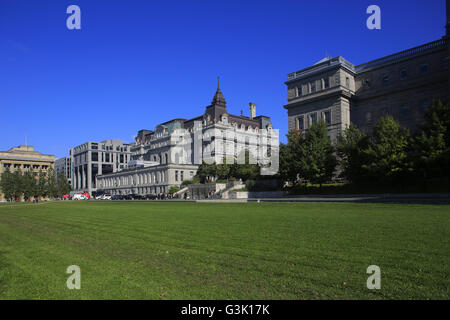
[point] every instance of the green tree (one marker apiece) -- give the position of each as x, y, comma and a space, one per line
63, 185
249, 169
7, 184
206, 172
41, 188
173, 189
351, 149
430, 146
17, 185
387, 155
29, 185
52, 187
290, 169
317, 158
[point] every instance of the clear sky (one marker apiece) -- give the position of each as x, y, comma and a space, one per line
137, 63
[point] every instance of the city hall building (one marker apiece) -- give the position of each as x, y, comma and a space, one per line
338, 92
24, 158
166, 156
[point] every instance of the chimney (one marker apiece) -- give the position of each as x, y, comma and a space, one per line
447, 26
252, 110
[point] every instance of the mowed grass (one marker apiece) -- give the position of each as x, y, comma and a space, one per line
167, 250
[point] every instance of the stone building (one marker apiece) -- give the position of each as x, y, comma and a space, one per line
171, 153
338, 92
64, 166
96, 158
24, 158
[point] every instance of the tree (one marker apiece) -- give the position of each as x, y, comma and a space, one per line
352, 157
317, 158
247, 170
29, 185
290, 169
430, 146
17, 184
173, 189
387, 155
206, 172
7, 184
52, 187
63, 185
41, 188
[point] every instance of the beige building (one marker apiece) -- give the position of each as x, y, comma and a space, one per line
25, 158
338, 92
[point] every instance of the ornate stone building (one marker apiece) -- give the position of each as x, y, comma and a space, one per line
24, 158
171, 153
402, 84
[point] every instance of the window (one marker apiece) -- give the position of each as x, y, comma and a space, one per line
424, 106
367, 83
369, 117
347, 82
94, 156
299, 90
423, 69
313, 117
7, 165
26, 166
176, 175
300, 123
403, 74
313, 86
16, 165
181, 175
385, 78
384, 112
326, 83
327, 117
404, 111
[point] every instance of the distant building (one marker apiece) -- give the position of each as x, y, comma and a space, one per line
96, 158
64, 166
403, 85
24, 158
158, 163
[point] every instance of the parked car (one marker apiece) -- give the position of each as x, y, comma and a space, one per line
79, 196
116, 197
137, 197
150, 196
66, 197
106, 197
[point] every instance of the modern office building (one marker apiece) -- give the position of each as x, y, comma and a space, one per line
171, 153
24, 158
64, 166
96, 158
402, 84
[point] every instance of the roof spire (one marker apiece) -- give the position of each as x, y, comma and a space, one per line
218, 99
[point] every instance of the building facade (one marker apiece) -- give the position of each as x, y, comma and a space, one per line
24, 158
172, 152
96, 158
403, 85
64, 166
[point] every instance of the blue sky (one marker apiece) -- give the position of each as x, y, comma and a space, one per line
137, 63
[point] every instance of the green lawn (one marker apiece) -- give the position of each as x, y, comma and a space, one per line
166, 250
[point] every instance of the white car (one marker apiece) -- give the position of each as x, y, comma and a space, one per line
106, 197
79, 197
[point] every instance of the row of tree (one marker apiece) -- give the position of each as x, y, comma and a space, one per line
17, 185
390, 155
212, 172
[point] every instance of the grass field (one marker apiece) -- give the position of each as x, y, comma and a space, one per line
167, 250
